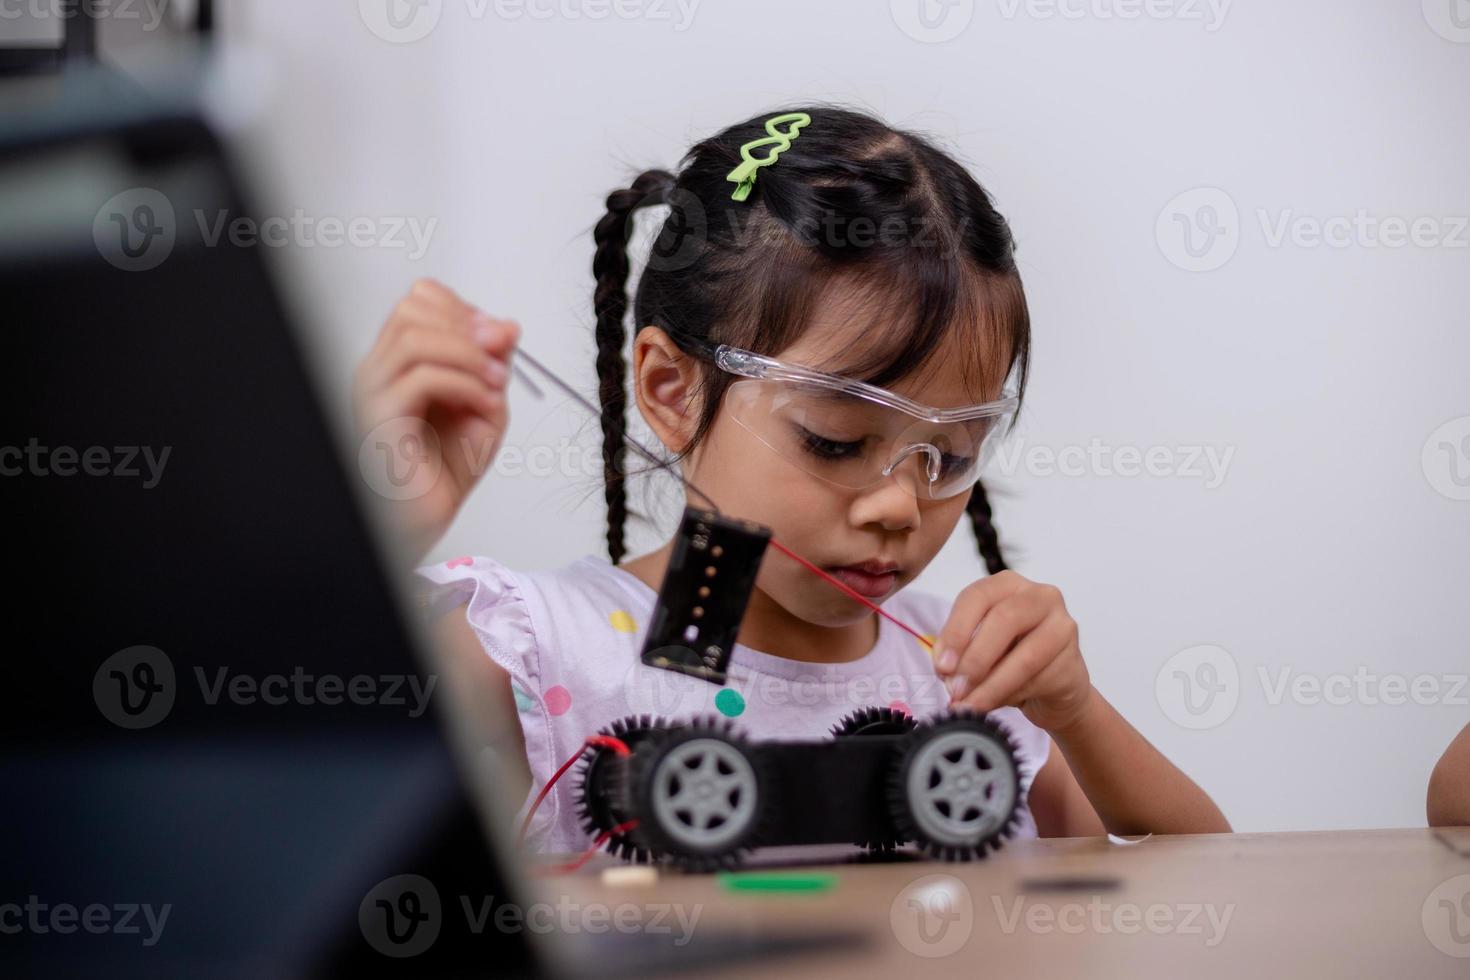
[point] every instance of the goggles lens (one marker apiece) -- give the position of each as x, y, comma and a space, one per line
853, 442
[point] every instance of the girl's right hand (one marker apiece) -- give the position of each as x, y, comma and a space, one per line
431, 405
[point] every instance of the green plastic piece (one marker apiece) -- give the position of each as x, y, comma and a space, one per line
777, 881
779, 141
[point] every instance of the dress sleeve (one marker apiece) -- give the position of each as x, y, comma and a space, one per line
494, 600
495, 607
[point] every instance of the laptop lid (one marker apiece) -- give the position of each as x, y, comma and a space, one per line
223, 750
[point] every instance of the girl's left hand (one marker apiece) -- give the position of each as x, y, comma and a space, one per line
1025, 652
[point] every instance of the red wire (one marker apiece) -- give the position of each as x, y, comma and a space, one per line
841, 585
593, 741
602, 838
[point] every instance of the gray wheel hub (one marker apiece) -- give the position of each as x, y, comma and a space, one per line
704, 793
961, 788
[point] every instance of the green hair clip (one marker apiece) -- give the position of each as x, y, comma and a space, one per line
779, 141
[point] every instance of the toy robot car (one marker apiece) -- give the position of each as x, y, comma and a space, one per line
702, 795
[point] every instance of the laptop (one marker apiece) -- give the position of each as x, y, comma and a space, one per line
224, 753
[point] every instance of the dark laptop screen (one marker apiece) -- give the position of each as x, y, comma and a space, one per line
211, 703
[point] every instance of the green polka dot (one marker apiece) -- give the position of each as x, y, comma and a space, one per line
730, 703
524, 701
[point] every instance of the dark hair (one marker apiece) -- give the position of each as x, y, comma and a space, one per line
850, 200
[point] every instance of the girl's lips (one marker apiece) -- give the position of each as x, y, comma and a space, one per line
864, 583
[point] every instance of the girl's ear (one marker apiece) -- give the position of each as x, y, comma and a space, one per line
664, 382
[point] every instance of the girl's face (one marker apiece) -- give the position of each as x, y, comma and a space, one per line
830, 525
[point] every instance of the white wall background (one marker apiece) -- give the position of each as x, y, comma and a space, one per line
1332, 545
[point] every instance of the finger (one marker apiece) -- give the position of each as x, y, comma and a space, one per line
1008, 621
1044, 682
495, 335
427, 385
969, 606
1034, 653
445, 308
429, 346
429, 290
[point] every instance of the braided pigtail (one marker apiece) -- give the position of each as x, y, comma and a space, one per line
985, 535
610, 305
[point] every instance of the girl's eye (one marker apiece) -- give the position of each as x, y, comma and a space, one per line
824, 448
953, 464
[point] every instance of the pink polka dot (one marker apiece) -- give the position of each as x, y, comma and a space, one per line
558, 700
900, 707
456, 562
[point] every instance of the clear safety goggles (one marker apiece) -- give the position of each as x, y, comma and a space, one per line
854, 434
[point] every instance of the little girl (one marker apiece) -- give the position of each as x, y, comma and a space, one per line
865, 254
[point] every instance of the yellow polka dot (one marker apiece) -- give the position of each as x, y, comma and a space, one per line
929, 638
623, 622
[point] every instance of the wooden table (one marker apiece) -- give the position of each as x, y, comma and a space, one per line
1374, 903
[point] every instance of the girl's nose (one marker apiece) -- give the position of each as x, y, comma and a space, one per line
892, 502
